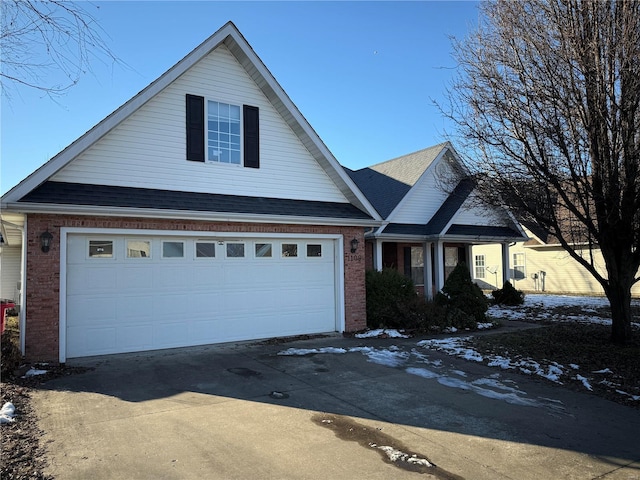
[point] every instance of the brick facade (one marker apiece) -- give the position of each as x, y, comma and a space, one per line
43, 269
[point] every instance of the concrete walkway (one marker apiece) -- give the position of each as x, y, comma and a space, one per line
241, 411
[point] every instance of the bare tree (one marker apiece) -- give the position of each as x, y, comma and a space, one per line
48, 45
547, 104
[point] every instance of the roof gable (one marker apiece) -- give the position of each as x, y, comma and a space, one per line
230, 39
388, 184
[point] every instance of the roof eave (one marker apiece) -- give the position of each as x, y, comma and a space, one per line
186, 215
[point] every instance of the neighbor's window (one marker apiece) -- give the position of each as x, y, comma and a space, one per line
314, 250
205, 249
263, 250
518, 266
417, 265
235, 250
138, 249
172, 249
100, 248
480, 266
289, 249
223, 132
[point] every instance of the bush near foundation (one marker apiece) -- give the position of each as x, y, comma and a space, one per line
392, 300
507, 295
464, 301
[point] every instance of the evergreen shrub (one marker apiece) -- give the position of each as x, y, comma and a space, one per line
508, 295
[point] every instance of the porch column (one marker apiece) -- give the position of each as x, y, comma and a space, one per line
506, 268
428, 268
439, 265
471, 262
377, 254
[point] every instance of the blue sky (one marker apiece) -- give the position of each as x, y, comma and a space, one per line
364, 74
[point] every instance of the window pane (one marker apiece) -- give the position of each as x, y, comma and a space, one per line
138, 249
172, 249
289, 249
518, 266
223, 132
263, 250
479, 266
234, 113
100, 248
235, 250
417, 265
314, 250
205, 249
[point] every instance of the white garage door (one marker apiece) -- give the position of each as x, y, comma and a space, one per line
134, 293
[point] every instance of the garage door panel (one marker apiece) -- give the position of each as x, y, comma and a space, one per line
135, 278
96, 340
129, 306
135, 337
166, 335
123, 304
166, 277
90, 310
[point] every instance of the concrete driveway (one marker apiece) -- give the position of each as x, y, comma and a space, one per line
242, 411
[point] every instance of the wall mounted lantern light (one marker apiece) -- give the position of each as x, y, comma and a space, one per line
354, 245
45, 241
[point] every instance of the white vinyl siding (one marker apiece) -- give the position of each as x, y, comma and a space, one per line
470, 213
421, 203
150, 145
10, 273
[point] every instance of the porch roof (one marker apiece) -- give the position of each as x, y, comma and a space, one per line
476, 232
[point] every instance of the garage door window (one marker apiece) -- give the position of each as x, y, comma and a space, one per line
289, 249
235, 250
100, 249
314, 250
264, 250
205, 249
172, 249
138, 249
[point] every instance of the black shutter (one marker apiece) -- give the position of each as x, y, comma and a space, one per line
195, 128
251, 136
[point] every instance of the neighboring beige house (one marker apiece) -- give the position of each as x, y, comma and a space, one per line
538, 266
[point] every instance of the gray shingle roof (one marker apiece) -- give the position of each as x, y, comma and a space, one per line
385, 184
61, 193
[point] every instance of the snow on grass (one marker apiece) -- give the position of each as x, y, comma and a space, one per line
453, 346
585, 382
311, 351
457, 347
381, 332
32, 372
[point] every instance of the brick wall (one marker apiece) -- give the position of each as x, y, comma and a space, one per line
43, 269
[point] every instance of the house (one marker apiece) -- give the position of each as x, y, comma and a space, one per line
427, 229
540, 264
203, 210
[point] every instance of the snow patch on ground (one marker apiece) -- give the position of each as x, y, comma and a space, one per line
32, 372
381, 332
7, 413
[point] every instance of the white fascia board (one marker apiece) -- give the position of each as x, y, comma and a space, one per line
189, 215
417, 185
